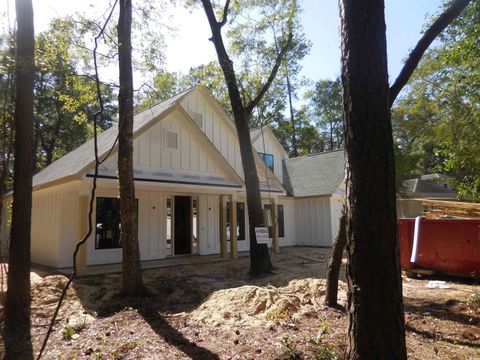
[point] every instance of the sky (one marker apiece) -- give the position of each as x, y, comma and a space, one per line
188, 46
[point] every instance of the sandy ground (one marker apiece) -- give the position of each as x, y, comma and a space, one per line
213, 311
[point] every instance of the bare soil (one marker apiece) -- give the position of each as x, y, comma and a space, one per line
214, 311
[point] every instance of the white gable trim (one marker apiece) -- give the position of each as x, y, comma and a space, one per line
269, 132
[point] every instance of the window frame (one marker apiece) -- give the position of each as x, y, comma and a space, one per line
115, 224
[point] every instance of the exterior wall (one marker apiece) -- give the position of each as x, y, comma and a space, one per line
271, 147
150, 150
46, 228
209, 224
409, 208
313, 221
221, 132
289, 208
152, 226
68, 227
336, 204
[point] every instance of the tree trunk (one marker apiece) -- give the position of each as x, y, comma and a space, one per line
259, 257
375, 306
335, 262
17, 305
132, 273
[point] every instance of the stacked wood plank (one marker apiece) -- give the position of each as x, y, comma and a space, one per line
435, 209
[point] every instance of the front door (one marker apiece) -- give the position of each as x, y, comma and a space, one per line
182, 225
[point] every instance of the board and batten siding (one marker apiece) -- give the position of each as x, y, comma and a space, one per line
313, 221
223, 135
150, 150
209, 224
289, 208
46, 227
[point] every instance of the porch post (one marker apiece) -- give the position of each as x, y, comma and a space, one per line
223, 227
82, 230
275, 241
233, 227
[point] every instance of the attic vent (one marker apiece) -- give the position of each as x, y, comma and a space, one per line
198, 118
172, 140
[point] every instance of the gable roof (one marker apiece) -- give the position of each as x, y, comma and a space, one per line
427, 186
314, 175
73, 163
257, 132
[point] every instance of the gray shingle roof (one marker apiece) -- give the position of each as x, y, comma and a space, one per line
314, 175
426, 186
77, 160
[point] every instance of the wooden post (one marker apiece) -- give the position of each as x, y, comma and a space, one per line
82, 230
275, 241
233, 228
223, 227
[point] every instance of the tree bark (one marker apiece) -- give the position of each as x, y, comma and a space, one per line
335, 262
259, 257
17, 305
132, 272
375, 307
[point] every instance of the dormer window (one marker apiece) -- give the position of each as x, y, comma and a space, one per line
268, 159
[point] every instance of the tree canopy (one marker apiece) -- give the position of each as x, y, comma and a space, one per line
437, 119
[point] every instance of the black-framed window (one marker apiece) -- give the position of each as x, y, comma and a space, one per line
108, 223
240, 221
281, 221
268, 159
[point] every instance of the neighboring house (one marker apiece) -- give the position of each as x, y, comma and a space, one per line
190, 189
430, 186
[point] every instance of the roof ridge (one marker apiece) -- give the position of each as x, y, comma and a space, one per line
315, 154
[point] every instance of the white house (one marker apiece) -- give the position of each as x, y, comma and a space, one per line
190, 189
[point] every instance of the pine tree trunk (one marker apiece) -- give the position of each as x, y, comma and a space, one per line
17, 305
375, 306
132, 273
335, 263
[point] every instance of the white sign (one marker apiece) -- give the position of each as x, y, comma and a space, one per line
261, 234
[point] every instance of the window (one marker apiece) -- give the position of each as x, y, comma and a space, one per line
108, 224
281, 222
240, 221
268, 159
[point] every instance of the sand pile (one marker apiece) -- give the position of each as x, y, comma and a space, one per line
254, 304
46, 293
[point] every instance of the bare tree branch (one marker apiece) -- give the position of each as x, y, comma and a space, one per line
437, 27
251, 105
225, 13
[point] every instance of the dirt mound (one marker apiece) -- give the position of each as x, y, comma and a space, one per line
46, 293
254, 304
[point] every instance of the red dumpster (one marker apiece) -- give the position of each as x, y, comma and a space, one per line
447, 246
